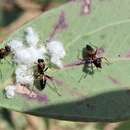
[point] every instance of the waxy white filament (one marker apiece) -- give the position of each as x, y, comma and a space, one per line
56, 52
25, 54
10, 91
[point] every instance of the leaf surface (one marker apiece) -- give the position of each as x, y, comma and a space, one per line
102, 96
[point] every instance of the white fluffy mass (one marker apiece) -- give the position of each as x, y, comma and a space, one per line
56, 51
25, 55
16, 45
10, 91
28, 56
24, 75
31, 36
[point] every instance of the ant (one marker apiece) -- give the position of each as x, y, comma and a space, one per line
41, 76
40, 73
90, 57
4, 52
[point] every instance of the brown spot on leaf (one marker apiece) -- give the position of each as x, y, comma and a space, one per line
60, 24
100, 51
26, 92
114, 80
85, 7
102, 36
127, 54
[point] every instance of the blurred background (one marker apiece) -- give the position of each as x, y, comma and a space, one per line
14, 13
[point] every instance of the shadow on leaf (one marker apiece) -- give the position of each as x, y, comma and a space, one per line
110, 106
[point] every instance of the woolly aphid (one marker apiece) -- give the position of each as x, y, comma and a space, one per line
16, 45
10, 91
28, 56
31, 36
24, 75
56, 52
25, 56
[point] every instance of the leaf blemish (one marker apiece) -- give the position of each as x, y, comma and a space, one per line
113, 80
60, 25
100, 51
33, 95
85, 7
102, 36
127, 54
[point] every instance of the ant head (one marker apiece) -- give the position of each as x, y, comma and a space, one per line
89, 48
40, 61
8, 48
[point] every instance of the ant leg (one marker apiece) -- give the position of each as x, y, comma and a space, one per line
56, 89
92, 67
85, 76
107, 61
8, 61
46, 69
81, 77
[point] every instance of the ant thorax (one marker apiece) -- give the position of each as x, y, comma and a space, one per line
91, 54
41, 67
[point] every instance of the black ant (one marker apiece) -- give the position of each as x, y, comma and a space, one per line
90, 57
4, 52
40, 73
41, 76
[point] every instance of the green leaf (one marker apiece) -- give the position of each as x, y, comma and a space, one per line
102, 96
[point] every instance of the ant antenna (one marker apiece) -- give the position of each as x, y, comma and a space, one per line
54, 89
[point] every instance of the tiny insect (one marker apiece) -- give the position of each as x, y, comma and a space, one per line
90, 57
41, 76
